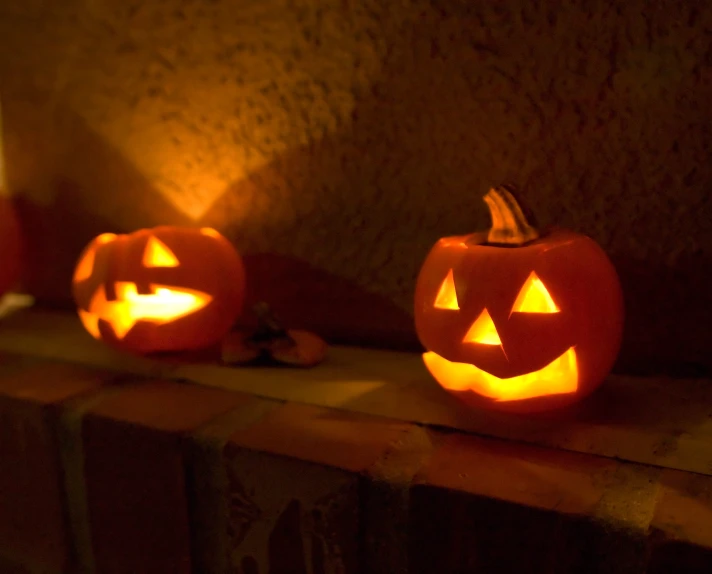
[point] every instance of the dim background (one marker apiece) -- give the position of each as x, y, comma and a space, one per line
333, 141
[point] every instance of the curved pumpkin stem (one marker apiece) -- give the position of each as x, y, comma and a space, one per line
509, 224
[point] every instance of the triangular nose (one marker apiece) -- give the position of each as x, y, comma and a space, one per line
483, 331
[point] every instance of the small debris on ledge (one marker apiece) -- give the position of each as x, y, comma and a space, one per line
270, 343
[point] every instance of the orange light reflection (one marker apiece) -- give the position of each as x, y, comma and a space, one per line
558, 377
163, 305
447, 296
483, 331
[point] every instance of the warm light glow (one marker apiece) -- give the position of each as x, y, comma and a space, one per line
105, 238
558, 377
483, 331
453, 242
157, 254
447, 296
91, 323
534, 298
86, 265
210, 232
163, 305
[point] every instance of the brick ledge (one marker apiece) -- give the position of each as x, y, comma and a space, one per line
661, 421
109, 470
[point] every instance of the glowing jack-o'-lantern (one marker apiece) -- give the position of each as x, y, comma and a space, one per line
9, 246
518, 321
161, 289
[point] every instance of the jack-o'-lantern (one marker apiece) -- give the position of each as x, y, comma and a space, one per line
160, 289
10, 255
516, 320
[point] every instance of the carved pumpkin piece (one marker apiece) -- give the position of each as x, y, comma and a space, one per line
483, 331
447, 296
139, 314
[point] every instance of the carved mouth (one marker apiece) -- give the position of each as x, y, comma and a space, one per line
558, 377
163, 305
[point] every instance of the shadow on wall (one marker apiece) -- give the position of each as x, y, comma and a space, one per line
92, 190
352, 215
406, 172
668, 325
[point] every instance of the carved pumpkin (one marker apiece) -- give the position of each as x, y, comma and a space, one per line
518, 321
9, 246
161, 289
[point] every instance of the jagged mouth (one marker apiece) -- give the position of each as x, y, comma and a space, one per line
558, 377
163, 305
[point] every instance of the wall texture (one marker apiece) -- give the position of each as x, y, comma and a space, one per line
343, 137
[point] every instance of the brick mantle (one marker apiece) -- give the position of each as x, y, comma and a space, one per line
113, 464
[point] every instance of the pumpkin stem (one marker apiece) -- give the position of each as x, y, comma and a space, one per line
509, 223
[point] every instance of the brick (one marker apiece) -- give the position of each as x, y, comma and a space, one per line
295, 479
681, 529
34, 530
329, 437
133, 457
481, 505
208, 485
59, 335
385, 504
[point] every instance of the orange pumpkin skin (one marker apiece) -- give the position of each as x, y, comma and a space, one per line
10, 246
580, 281
115, 276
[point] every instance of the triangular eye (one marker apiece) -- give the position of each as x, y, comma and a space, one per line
157, 254
534, 297
447, 296
483, 331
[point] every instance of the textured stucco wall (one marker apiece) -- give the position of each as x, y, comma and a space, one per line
350, 134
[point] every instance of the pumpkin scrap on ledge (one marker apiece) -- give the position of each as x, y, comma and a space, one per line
270, 343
